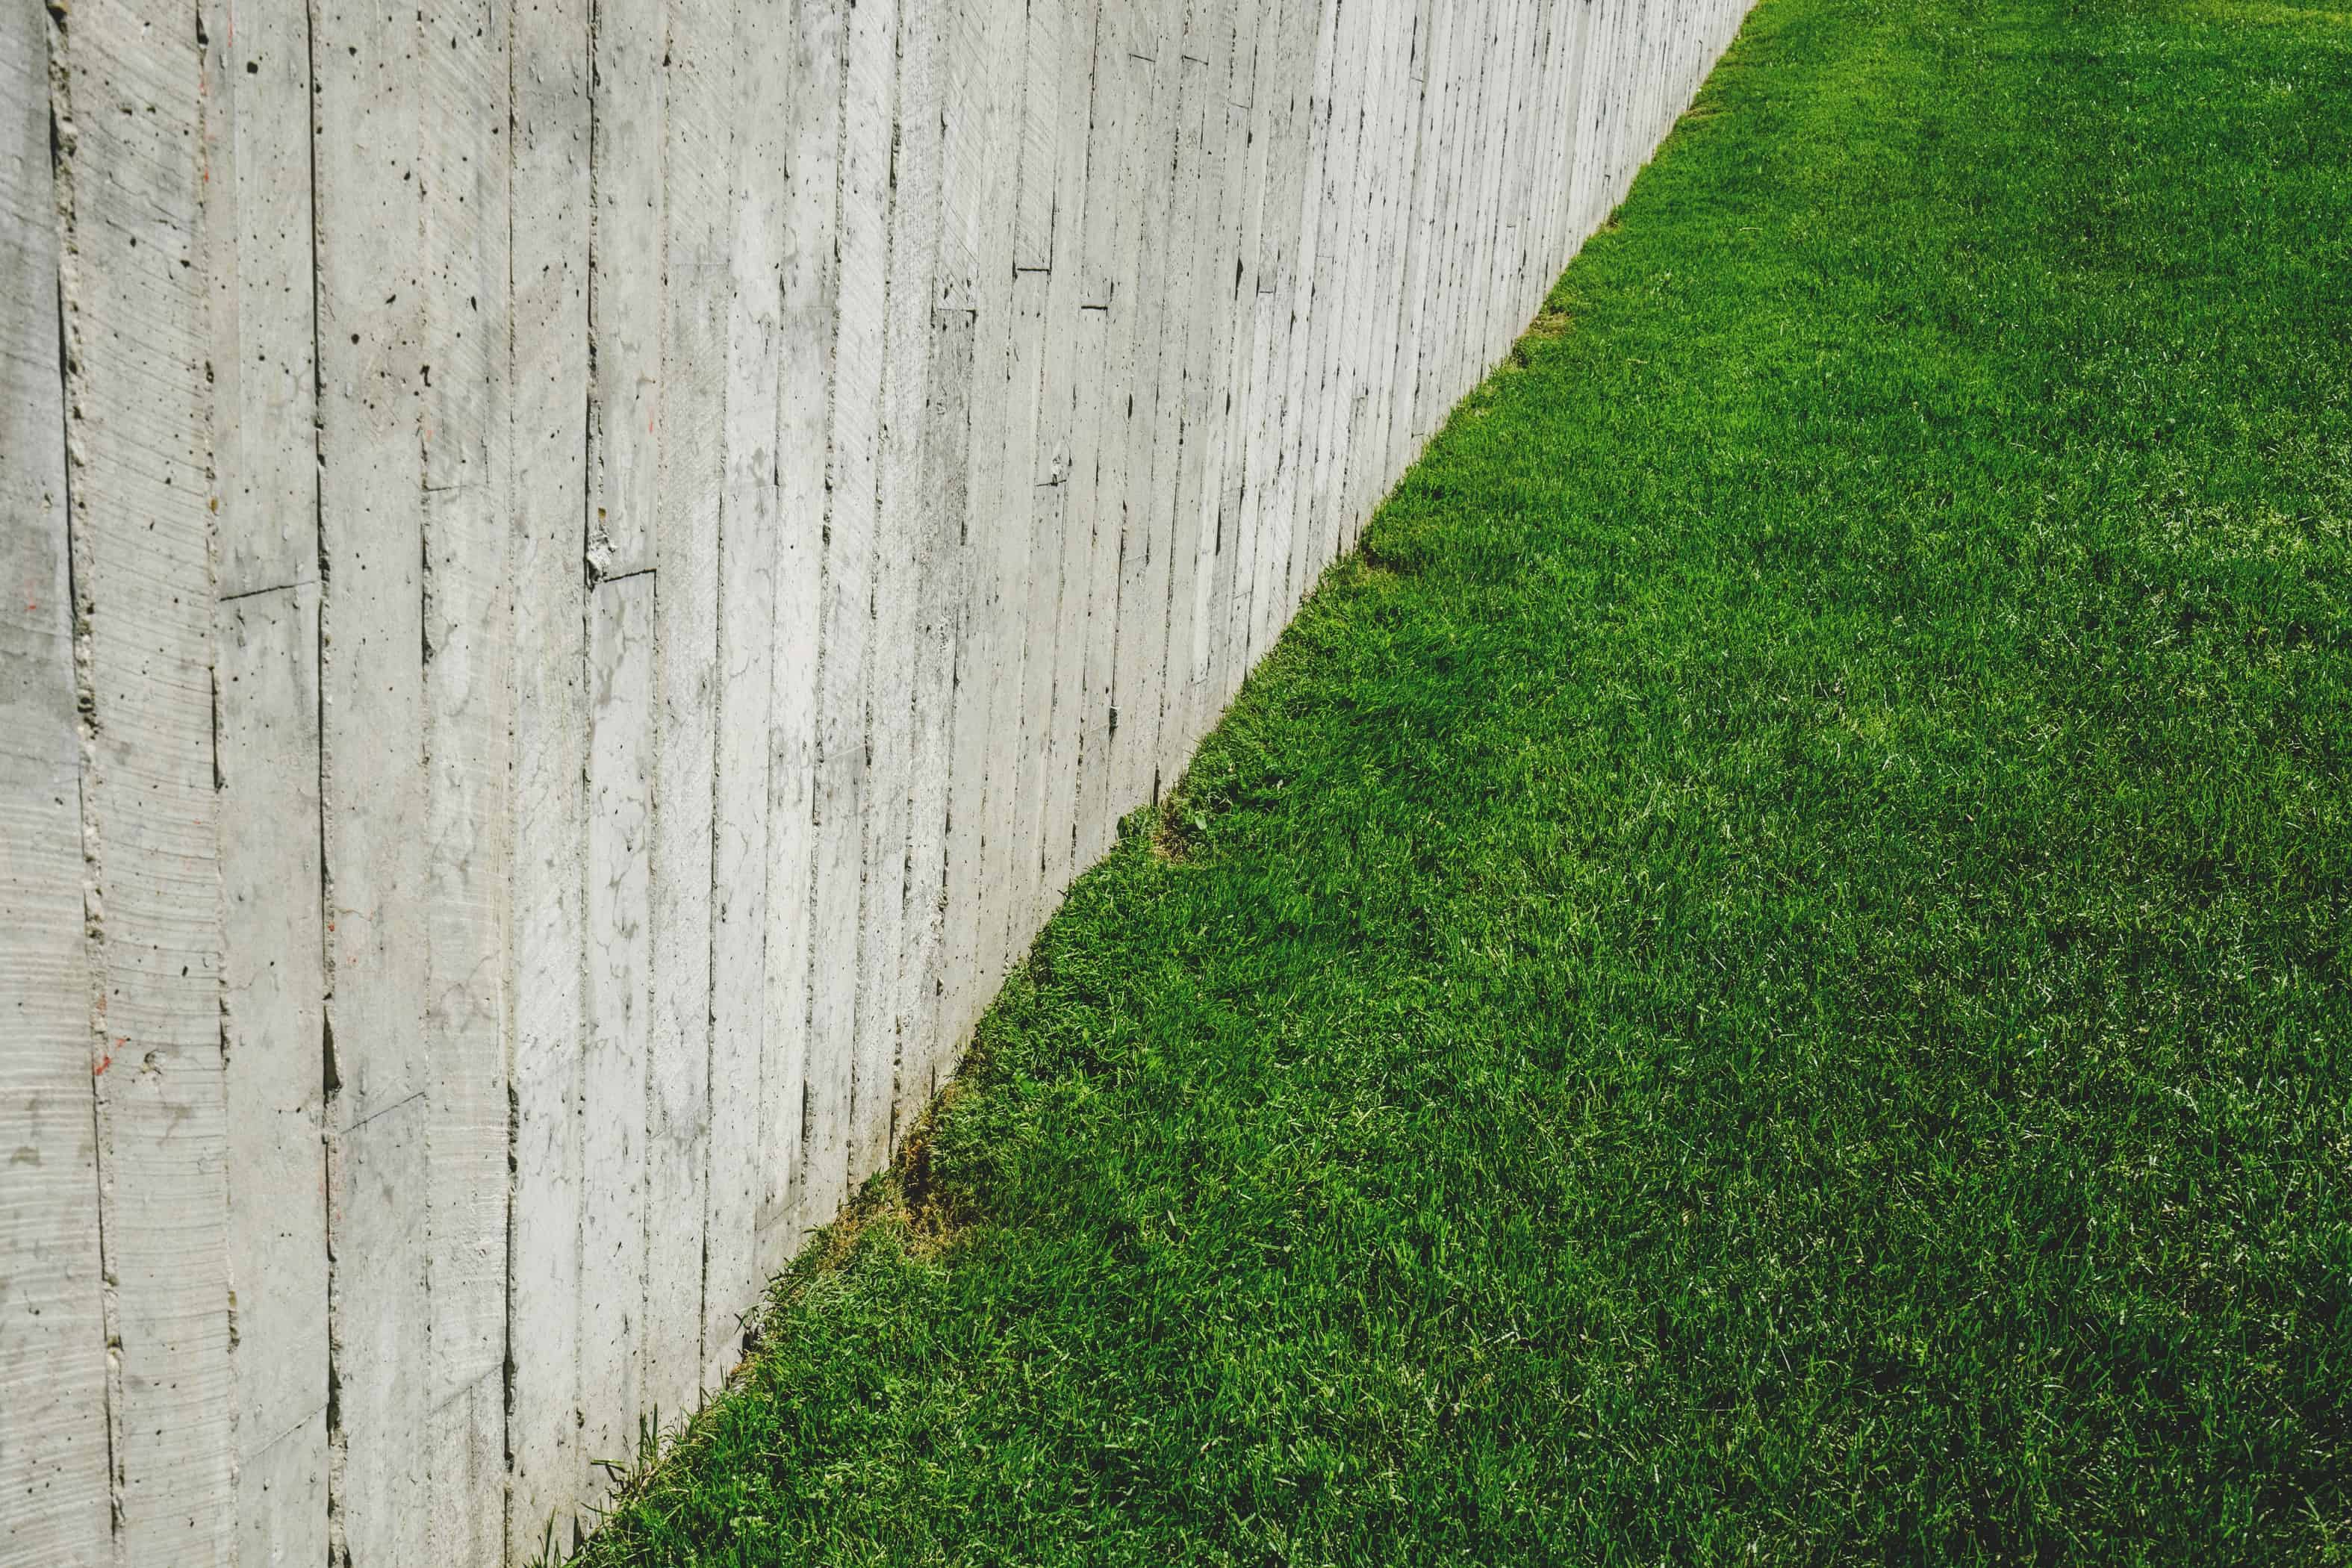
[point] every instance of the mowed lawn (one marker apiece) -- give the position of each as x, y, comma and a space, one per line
1762, 978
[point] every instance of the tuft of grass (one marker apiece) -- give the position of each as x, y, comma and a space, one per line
1763, 979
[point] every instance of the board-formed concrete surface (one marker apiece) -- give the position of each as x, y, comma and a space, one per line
580, 578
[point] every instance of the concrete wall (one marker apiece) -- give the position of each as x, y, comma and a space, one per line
580, 578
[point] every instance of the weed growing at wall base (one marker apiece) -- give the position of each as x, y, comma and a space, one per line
1762, 978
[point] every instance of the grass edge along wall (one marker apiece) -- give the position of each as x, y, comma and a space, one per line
582, 577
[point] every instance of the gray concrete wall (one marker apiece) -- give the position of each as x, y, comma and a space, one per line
582, 575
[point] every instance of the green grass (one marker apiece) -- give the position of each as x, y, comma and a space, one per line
1762, 978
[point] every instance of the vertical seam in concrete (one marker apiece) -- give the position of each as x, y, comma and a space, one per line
658, 658
512, 675
824, 599
207, 218
589, 543
711, 864
62, 139
331, 1075
891, 285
